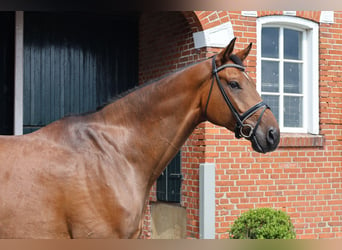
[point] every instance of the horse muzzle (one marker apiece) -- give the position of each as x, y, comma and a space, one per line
264, 142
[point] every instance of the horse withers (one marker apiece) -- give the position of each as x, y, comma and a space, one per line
89, 176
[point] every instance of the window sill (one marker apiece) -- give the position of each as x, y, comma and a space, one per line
301, 140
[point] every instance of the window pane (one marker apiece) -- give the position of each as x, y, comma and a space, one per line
269, 76
293, 78
273, 102
270, 42
293, 111
292, 44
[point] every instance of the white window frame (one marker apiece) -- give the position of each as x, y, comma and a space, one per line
310, 67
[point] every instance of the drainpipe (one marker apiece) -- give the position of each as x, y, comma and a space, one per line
207, 201
19, 72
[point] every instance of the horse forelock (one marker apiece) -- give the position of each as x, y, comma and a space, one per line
236, 59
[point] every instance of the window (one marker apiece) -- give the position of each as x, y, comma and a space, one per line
170, 181
287, 71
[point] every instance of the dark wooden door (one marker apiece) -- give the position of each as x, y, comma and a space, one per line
75, 62
6, 72
170, 181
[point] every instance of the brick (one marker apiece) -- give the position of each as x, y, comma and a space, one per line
303, 174
326, 235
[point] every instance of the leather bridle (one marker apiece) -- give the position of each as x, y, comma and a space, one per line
241, 130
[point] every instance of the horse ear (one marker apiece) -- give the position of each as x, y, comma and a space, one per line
242, 54
224, 55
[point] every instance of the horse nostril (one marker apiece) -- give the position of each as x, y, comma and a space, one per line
272, 136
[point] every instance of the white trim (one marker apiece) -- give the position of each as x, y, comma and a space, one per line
207, 201
218, 36
289, 12
292, 21
310, 67
19, 73
249, 13
327, 17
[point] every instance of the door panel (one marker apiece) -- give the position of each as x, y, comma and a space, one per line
75, 62
6, 72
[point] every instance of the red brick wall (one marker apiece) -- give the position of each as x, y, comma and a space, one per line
299, 178
303, 177
166, 44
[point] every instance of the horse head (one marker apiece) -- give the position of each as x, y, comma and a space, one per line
232, 101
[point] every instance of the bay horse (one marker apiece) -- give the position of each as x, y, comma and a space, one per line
89, 176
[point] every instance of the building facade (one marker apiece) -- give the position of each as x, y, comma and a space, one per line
296, 63
50, 71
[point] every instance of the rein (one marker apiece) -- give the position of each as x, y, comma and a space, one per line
240, 128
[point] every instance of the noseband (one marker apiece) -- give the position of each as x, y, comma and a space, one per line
241, 130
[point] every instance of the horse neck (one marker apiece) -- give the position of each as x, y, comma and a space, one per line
159, 118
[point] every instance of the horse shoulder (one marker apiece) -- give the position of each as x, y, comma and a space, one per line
103, 187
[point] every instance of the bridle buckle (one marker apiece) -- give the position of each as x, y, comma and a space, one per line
243, 129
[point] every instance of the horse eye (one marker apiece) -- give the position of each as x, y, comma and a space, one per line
234, 85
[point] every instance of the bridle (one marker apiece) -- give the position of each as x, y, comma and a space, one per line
240, 127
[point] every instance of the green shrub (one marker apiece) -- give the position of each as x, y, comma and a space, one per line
263, 223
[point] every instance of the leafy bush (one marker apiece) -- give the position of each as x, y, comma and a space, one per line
263, 223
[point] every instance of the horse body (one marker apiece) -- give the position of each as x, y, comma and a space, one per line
89, 176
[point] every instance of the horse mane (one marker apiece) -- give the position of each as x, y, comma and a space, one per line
117, 97
151, 81
233, 57
236, 60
